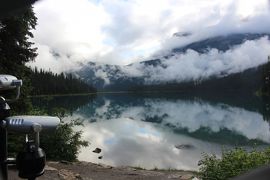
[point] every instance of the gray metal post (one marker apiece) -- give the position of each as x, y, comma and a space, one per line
3, 154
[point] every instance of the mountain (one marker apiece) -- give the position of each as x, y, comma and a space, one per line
152, 74
108, 77
246, 83
222, 43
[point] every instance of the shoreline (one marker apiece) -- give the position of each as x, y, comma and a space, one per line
103, 92
89, 171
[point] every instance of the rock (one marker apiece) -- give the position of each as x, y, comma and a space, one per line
100, 157
105, 166
184, 146
187, 177
129, 168
90, 171
97, 150
65, 162
78, 176
68, 175
174, 176
48, 168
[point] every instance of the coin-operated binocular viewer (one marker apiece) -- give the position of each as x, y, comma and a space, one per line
31, 160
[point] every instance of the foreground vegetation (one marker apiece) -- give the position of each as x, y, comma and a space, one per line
15, 51
232, 163
62, 144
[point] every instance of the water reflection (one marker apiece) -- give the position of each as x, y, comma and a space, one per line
135, 143
145, 132
69, 103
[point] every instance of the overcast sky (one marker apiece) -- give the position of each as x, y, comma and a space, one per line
126, 31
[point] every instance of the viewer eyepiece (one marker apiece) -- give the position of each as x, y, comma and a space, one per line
9, 82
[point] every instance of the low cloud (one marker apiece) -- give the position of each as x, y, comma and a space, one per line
123, 32
193, 65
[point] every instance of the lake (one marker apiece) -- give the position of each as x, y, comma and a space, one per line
166, 130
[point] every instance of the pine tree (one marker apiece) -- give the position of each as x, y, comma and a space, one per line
53, 83
266, 78
16, 50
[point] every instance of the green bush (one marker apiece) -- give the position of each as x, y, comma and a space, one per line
62, 144
232, 163
65, 142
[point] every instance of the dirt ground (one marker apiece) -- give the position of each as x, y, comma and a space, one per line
90, 171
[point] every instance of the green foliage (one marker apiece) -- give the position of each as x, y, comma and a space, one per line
232, 163
48, 83
265, 89
244, 83
16, 50
64, 143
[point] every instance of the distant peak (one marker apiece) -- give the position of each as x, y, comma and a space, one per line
182, 34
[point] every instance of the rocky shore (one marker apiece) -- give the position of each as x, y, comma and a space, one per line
90, 171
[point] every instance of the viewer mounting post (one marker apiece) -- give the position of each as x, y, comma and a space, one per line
6, 82
31, 160
3, 153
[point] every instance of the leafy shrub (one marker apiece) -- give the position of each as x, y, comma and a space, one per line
64, 143
232, 163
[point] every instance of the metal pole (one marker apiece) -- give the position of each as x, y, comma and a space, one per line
3, 154
37, 141
4, 112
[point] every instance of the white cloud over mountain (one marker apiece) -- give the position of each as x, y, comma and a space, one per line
186, 66
193, 65
122, 32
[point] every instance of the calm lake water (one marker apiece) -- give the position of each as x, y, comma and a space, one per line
164, 130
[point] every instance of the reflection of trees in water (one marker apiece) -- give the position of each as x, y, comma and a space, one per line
118, 102
266, 109
223, 136
265, 90
152, 109
107, 107
69, 103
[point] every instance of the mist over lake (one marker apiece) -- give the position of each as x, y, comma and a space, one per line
154, 130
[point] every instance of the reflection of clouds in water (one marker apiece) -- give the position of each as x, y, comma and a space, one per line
126, 139
192, 115
104, 108
135, 143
